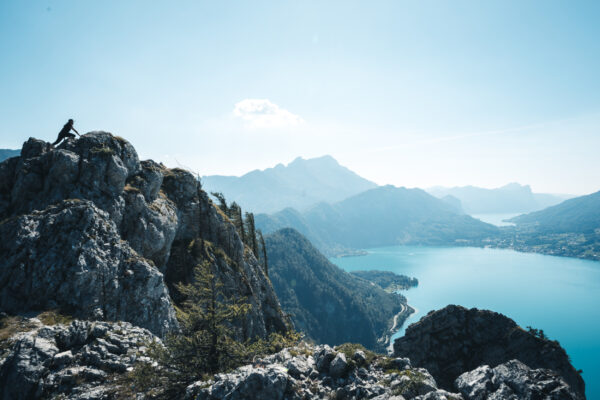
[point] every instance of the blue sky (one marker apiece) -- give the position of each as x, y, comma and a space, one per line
416, 93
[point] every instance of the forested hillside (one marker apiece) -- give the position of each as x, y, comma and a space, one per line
328, 304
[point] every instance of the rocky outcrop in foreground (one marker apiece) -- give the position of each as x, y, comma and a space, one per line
83, 360
513, 380
93, 360
325, 373
90, 230
321, 373
455, 340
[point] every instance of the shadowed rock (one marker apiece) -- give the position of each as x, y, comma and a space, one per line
454, 340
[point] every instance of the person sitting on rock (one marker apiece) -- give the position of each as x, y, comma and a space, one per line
65, 132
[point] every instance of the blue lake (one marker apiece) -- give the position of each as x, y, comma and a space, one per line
557, 294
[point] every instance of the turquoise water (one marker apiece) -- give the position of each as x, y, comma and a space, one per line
557, 294
496, 219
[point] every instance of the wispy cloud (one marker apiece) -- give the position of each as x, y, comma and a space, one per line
262, 113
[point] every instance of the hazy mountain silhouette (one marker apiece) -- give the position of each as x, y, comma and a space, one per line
511, 198
300, 184
382, 216
580, 214
8, 153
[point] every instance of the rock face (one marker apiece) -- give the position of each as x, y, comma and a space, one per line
454, 340
70, 256
89, 229
78, 361
513, 380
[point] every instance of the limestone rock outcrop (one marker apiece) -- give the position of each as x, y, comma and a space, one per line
304, 373
455, 340
70, 256
89, 229
83, 360
513, 381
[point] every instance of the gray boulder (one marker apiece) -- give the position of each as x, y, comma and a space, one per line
514, 380
338, 366
246, 383
323, 356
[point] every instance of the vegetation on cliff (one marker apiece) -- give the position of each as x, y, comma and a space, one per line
328, 304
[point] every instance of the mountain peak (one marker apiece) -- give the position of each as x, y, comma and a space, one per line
300, 184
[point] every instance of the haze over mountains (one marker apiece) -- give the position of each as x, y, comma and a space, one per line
386, 215
581, 214
511, 198
341, 212
304, 183
299, 184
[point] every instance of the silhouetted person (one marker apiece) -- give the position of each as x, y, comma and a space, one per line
65, 132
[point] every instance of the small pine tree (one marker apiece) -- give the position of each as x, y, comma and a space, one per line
207, 335
222, 202
264, 252
251, 233
235, 214
206, 342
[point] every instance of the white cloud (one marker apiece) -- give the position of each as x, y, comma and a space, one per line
261, 113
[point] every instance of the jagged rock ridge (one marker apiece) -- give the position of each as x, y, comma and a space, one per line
454, 340
89, 229
324, 373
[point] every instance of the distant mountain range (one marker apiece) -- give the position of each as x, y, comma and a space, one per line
300, 184
386, 215
571, 229
581, 214
8, 153
328, 304
511, 198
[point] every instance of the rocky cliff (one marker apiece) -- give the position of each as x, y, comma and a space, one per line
455, 340
90, 230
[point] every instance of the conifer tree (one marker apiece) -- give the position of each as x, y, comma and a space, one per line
251, 233
264, 251
206, 343
222, 202
238, 220
207, 335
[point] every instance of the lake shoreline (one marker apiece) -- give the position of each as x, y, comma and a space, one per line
398, 321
